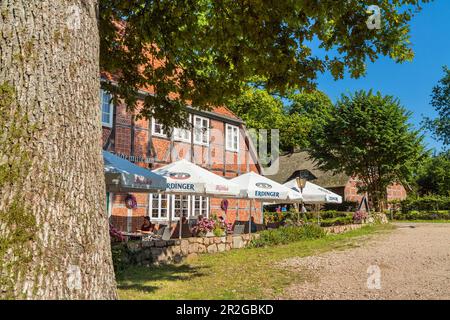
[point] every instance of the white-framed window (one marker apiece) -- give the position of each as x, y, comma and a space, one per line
201, 130
157, 128
107, 108
182, 134
181, 206
192, 206
159, 206
200, 206
232, 138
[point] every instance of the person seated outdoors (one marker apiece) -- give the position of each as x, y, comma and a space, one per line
184, 219
147, 227
253, 225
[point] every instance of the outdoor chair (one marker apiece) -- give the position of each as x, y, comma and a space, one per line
192, 222
166, 233
239, 229
185, 231
160, 231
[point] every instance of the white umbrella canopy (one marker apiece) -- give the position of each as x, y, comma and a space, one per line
255, 186
312, 193
123, 176
185, 177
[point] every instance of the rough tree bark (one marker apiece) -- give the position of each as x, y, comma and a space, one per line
54, 240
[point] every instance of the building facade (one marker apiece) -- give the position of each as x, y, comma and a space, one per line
217, 140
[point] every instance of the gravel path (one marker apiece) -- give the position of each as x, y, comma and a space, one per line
413, 263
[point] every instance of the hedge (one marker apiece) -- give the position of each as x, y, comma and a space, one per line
426, 203
329, 214
286, 235
327, 218
344, 206
422, 215
339, 221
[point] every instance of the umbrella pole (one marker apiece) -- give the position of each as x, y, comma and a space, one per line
169, 198
250, 219
179, 218
179, 221
318, 214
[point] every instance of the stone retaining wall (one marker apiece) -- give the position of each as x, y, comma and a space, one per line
342, 229
374, 218
174, 250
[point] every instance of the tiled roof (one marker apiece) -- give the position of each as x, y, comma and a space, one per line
299, 164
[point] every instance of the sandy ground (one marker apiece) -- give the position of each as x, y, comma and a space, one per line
411, 262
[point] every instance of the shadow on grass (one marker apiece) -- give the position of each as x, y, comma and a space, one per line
141, 278
138, 287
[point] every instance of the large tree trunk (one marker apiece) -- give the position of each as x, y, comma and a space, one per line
54, 240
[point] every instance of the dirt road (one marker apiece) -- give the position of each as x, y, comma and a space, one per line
411, 262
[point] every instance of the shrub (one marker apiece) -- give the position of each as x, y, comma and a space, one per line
218, 232
285, 235
273, 217
294, 218
221, 227
426, 203
338, 221
422, 215
329, 214
342, 207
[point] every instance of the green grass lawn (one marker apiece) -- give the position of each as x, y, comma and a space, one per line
237, 274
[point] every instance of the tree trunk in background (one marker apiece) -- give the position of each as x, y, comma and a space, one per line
54, 238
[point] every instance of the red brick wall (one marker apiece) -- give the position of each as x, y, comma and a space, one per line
394, 192
211, 157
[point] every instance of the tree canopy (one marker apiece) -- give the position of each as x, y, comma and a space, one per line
260, 110
315, 106
368, 136
440, 100
207, 52
433, 176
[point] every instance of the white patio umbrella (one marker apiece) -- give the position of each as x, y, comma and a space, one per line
123, 176
256, 187
314, 194
185, 177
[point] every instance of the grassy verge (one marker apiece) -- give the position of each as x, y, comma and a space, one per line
237, 274
422, 221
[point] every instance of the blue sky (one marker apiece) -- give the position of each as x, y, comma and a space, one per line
411, 82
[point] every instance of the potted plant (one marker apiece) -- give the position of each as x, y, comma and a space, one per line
359, 216
204, 228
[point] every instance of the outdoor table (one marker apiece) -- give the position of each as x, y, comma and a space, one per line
137, 235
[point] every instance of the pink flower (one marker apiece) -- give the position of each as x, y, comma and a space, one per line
115, 234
